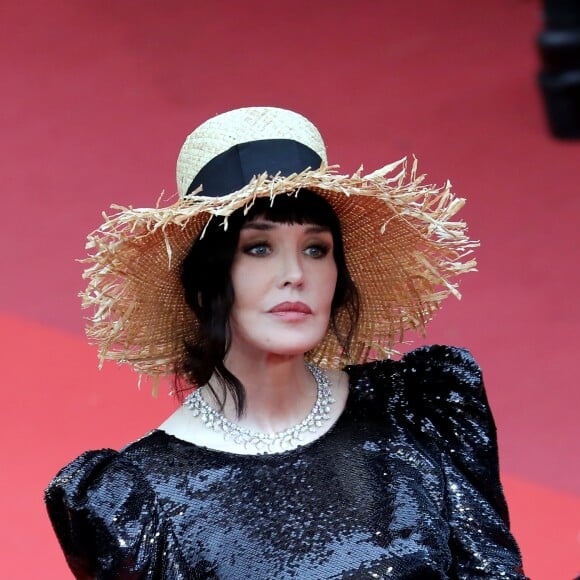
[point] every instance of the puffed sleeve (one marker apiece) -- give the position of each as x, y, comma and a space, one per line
449, 403
106, 518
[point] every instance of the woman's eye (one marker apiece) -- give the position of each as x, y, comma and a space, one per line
317, 250
257, 249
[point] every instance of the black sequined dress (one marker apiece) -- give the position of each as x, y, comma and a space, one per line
404, 485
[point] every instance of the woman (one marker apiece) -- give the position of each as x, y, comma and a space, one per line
269, 275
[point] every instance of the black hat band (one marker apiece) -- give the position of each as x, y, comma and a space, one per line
234, 169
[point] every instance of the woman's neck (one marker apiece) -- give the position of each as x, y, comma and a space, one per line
280, 391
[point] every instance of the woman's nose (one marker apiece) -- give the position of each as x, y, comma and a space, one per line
292, 271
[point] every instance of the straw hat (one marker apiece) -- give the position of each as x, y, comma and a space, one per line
402, 244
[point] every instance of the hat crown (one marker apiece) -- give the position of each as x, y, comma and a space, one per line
244, 125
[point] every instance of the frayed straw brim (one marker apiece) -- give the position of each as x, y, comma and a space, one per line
403, 249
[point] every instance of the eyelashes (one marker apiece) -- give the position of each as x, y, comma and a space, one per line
317, 250
256, 249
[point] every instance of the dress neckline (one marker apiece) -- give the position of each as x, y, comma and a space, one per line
263, 456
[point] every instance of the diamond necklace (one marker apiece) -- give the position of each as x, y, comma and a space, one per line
267, 442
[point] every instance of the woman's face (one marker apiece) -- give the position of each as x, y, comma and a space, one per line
284, 277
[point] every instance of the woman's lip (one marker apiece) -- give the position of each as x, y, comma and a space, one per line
290, 315
288, 307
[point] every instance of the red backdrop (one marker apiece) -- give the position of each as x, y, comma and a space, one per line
96, 101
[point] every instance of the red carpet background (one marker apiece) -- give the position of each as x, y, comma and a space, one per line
97, 98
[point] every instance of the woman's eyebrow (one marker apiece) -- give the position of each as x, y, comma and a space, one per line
267, 225
315, 229
258, 225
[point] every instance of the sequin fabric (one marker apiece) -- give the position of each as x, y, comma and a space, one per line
404, 485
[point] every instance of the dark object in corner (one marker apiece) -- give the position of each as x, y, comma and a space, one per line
559, 45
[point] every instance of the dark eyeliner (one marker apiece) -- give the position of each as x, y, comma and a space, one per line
249, 246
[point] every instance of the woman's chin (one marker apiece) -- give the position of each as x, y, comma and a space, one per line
298, 348
289, 341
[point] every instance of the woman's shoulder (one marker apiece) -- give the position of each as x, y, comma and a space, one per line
97, 499
110, 467
427, 371
447, 375
94, 471
436, 393
88, 468
438, 355
434, 389
443, 360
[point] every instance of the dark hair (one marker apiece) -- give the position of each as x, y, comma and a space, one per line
205, 277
